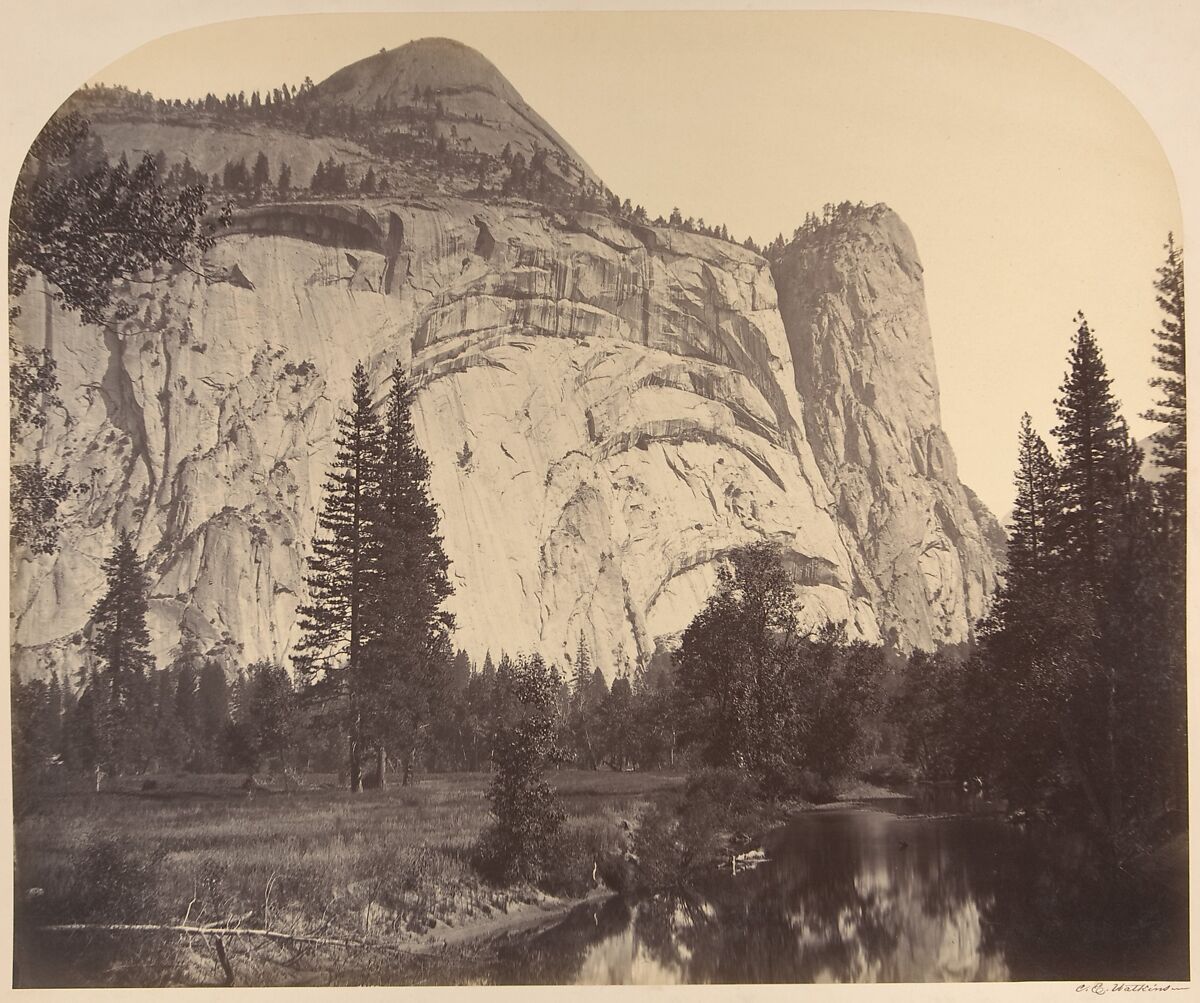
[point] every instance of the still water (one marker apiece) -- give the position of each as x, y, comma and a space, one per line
893, 892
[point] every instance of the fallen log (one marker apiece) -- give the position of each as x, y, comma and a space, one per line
218, 931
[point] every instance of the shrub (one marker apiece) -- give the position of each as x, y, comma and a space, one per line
888, 769
104, 881
810, 786
527, 817
675, 842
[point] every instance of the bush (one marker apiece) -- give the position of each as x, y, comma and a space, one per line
811, 786
102, 882
527, 817
730, 790
888, 769
676, 841
521, 843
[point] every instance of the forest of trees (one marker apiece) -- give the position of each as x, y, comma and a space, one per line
1074, 703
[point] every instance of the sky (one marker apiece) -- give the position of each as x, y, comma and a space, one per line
1033, 188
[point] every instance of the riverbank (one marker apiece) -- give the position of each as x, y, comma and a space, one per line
390, 869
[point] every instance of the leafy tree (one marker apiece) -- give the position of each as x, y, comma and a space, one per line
83, 231
1170, 443
35, 491
731, 659
654, 714
526, 814
836, 685
758, 696
82, 225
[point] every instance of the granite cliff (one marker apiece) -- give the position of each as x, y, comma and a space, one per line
634, 401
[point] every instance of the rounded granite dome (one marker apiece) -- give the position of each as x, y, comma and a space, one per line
440, 64
467, 91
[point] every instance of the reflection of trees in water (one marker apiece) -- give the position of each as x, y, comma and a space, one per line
557, 955
857, 896
841, 902
1069, 917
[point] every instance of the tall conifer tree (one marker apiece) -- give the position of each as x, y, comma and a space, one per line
1035, 509
410, 629
122, 643
1170, 443
1095, 460
343, 570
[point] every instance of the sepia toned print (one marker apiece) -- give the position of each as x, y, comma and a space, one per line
432, 562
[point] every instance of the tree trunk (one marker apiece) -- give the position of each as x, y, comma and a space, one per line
408, 767
355, 769
1115, 801
381, 765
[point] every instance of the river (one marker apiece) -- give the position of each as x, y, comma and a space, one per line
908, 890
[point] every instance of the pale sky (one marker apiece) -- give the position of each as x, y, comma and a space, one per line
1032, 187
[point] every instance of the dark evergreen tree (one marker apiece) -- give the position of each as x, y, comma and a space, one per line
343, 570
410, 628
1094, 463
1035, 510
261, 175
272, 713
212, 705
581, 673
617, 722
1170, 442
121, 643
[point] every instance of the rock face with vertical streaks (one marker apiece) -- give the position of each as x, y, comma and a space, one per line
635, 402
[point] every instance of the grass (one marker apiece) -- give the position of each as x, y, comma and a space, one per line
390, 866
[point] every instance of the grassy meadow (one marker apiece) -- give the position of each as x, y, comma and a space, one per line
392, 867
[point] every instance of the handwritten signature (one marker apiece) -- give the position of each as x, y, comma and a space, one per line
1104, 988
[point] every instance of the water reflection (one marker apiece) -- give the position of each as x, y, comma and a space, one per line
860, 895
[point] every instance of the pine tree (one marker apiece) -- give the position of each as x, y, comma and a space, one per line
212, 704
121, 642
261, 176
343, 569
582, 671
1034, 511
54, 716
1093, 468
410, 628
284, 184
1170, 443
